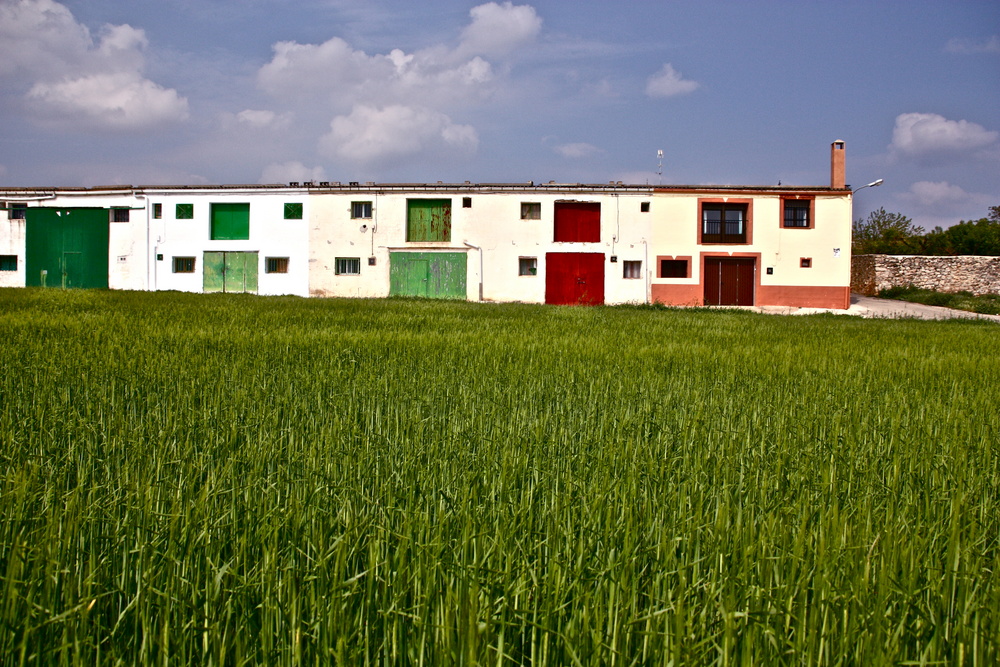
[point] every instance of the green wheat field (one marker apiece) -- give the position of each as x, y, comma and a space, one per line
236, 480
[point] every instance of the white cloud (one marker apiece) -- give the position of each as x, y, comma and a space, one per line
73, 82
578, 150
925, 136
497, 29
668, 82
972, 46
108, 101
258, 119
370, 134
941, 195
287, 172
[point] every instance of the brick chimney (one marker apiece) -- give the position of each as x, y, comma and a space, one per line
838, 169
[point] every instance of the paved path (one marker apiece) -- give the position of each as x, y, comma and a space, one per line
866, 306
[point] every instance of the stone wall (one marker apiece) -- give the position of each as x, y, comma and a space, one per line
968, 273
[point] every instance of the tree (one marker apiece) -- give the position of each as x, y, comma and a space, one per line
885, 233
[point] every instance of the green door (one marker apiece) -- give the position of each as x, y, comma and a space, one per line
437, 275
230, 222
230, 272
66, 247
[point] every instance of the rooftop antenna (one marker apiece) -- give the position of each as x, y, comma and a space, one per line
659, 167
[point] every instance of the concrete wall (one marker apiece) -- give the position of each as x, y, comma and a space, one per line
975, 274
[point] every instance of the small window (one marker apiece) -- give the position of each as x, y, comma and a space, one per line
17, 211
293, 211
531, 210
631, 269
157, 211
183, 264
796, 213
361, 209
8, 262
276, 265
673, 268
806, 262
119, 215
527, 266
466, 202
348, 266
644, 207
185, 212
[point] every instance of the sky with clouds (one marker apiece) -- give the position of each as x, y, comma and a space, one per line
748, 92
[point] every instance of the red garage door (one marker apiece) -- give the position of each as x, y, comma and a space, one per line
729, 281
574, 278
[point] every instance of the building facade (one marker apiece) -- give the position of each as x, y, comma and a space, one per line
539, 243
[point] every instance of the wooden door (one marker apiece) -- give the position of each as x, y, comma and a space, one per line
573, 278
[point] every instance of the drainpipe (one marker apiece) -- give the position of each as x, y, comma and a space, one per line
475, 247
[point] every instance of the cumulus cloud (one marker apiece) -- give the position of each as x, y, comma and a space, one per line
929, 136
347, 76
972, 46
578, 150
668, 82
370, 134
101, 101
74, 81
941, 195
497, 29
287, 172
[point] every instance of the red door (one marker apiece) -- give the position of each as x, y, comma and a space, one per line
574, 278
729, 281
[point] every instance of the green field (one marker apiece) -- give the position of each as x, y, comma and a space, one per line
228, 480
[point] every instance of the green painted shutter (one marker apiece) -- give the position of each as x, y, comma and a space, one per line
230, 222
66, 247
438, 275
293, 211
214, 266
428, 220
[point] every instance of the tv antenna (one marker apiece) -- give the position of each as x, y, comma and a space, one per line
659, 167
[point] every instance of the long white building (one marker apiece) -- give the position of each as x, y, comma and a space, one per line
552, 243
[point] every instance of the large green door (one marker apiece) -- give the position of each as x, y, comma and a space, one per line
437, 275
66, 247
230, 272
428, 220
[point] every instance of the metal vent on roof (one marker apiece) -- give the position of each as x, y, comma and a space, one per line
324, 184
353, 183
293, 184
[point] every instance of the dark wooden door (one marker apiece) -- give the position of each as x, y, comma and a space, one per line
573, 278
730, 281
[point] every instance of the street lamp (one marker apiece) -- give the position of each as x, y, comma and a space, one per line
873, 184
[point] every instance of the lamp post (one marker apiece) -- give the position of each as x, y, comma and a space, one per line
873, 184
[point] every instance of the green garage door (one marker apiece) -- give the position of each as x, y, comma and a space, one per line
66, 247
230, 272
437, 275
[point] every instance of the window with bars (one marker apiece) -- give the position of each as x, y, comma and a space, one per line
724, 223
183, 264
157, 211
275, 265
527, 266
293, 211
531, 210
17, 211
347, 266
119, 215
361, 209
796, 213
631, 269
184, 212
8, 262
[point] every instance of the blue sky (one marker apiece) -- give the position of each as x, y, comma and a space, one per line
97, 92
